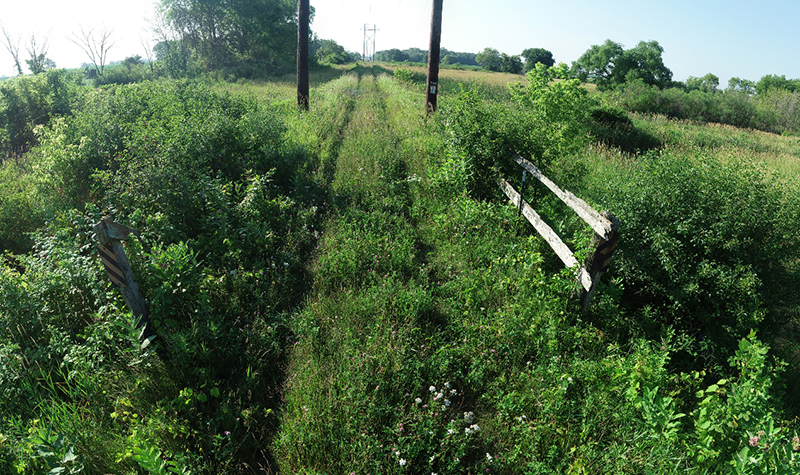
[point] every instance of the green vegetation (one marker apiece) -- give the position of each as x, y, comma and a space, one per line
346, 290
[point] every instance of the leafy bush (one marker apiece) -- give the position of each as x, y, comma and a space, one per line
613, 128
21, 208
709, 244
544, 121
30, 101
735, 422
775, 111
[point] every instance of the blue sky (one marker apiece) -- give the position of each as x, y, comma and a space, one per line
726, 38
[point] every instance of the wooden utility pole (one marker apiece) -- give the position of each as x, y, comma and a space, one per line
302, 54
433, 58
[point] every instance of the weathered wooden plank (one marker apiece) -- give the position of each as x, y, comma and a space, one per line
597, 221
548, 234
109, 235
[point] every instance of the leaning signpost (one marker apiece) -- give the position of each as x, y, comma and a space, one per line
109, 245
605, 226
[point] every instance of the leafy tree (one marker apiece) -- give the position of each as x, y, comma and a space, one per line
459, 58
511, 64
174, 57
416, 55
772, 81
38, 62
610, 65
741, 85
598, 62
489, 59
221, 34
533, 56
644, 62
708, 83
132, 61
392, 55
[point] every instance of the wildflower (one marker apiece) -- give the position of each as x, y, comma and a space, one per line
469, 417
447, 385
403, 462
432, 389
227, 433
453, 392
450, 431
446, 402
488, 457
754, 441
796, 443
418, 400
438, 396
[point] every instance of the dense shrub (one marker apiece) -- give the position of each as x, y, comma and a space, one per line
710, 245
612, 127
773, 111
29, 101
542, 122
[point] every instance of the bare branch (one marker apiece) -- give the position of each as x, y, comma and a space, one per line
38, 53
95, 47
12, 45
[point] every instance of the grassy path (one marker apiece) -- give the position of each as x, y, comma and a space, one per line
436, 340
359, 330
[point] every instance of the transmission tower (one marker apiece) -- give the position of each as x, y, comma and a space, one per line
369, 37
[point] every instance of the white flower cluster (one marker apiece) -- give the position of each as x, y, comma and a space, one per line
469, 417
472, 429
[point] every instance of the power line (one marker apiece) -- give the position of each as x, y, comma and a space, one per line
398, 8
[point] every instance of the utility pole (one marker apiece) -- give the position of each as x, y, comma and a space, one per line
302, 54
433, 58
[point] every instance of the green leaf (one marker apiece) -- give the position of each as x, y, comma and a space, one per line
147, 342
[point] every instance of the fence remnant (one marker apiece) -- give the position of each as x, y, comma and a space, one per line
605, 226
109, 243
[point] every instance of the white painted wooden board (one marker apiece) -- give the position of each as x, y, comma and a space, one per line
597, 221
548, 234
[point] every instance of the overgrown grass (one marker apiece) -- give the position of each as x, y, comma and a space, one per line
332, 294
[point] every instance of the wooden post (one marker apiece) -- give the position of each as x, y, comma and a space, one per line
109, 242
433, 58
601, 259
303, 9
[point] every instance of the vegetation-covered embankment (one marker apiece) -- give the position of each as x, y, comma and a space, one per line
346, 291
